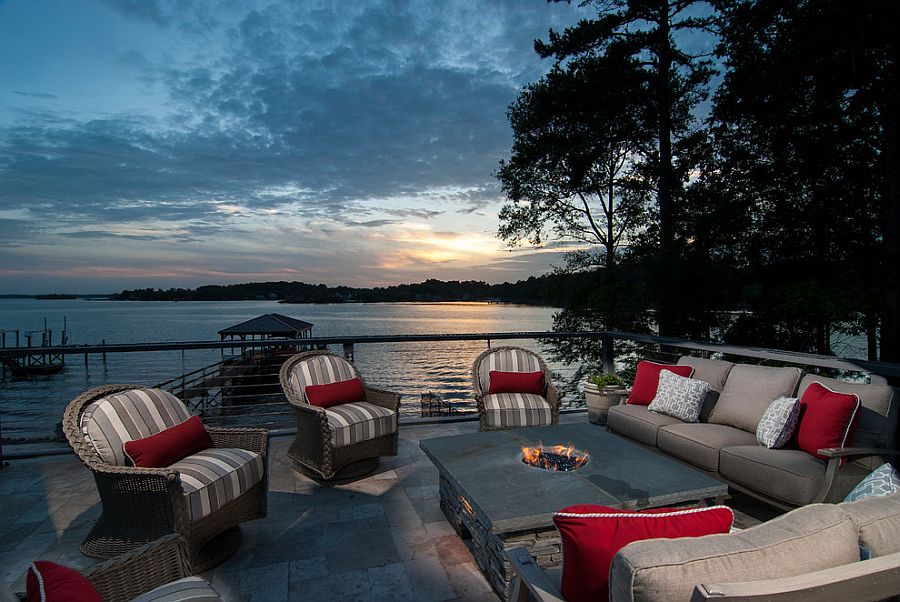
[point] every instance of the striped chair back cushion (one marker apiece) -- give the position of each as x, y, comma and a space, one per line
116, 419
320, 370
506, 360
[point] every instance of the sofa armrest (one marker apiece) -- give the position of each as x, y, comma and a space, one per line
136, 572
529, 582
849, 452
874, 579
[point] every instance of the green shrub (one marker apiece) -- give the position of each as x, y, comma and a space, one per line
606, 380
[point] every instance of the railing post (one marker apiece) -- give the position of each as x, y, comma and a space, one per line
348, 351
609, 354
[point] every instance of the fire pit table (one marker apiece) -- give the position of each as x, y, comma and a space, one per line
488, 493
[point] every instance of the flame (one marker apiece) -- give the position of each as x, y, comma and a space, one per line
538, 456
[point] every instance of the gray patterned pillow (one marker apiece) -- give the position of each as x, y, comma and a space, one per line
778, 423
884, 480
679, 397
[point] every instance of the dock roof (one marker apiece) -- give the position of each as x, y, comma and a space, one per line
269, 324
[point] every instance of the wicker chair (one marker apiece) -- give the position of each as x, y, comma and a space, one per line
327, 445
506, 410
142, 504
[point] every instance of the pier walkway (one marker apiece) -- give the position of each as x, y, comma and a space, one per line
380, 538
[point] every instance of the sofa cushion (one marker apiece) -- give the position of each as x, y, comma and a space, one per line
637, 422
788, 475
778, 424
212, 478
646, 380
714, 372
113, 420
878, 519
50, 582
884, 480
699, 444
356, 422
189, 589
827, 419
678, 396
516, 409
748, 392
811, 538
877, 415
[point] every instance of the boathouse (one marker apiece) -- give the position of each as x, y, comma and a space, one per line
268, 326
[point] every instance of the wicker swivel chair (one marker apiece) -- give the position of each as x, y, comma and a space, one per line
343, 441
196, 497
511, 410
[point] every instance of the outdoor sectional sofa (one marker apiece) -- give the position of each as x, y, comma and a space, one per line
810, 553
723, 443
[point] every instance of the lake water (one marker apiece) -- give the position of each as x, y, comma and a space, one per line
32, 408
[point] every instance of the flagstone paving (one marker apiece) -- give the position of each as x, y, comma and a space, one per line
379, 538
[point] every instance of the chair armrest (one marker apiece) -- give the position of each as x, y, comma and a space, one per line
874, 579
529, 581
553, 396
256, 440
129, 575
849, 452
383, 398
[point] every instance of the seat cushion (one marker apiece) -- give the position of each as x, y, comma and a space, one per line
213, 477
516, 409
878, 519
356, 422
714, 372
116, 419
637, 422
748, 392
789, 475
505, 359
699, 444
189, 589
319, 370
808, 539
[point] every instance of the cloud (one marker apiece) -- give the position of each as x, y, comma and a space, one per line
43, 95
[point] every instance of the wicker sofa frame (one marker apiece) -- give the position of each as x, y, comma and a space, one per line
141, 505
312, 448
551, 393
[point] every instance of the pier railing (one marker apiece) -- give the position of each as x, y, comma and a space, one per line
242, 387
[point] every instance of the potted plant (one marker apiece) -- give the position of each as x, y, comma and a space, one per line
601, 392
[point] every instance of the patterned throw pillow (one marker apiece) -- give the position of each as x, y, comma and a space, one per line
679, 397
779, 422
884, 480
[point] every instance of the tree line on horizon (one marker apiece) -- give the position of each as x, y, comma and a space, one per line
785, 200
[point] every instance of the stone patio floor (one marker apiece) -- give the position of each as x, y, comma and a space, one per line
379, 538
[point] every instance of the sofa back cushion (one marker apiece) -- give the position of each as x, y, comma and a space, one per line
505, 359
877, 422
811, 538
748, 392
322, 369
878, 519
714, 372
111, 421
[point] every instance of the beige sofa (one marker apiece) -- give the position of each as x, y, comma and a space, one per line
723, 443
811, 553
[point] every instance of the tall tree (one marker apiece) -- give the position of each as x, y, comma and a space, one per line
646, 30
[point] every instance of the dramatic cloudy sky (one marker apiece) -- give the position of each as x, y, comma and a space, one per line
167, 143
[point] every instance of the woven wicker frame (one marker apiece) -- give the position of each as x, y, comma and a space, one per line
551, 393
141, 505
312, 447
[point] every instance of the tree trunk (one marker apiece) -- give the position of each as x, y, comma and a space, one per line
666, 316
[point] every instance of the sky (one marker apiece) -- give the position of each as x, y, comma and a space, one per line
161, 143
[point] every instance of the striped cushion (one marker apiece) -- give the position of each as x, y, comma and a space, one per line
320, 370
354, 422
506, 360
516, 409
189, 589
212, 478
116, 419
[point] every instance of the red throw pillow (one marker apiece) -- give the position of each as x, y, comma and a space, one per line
516, 382
169, 446
646, 380
333, 394
591, 536
827, 419
51, 582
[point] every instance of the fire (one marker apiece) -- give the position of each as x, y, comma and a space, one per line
557, 457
